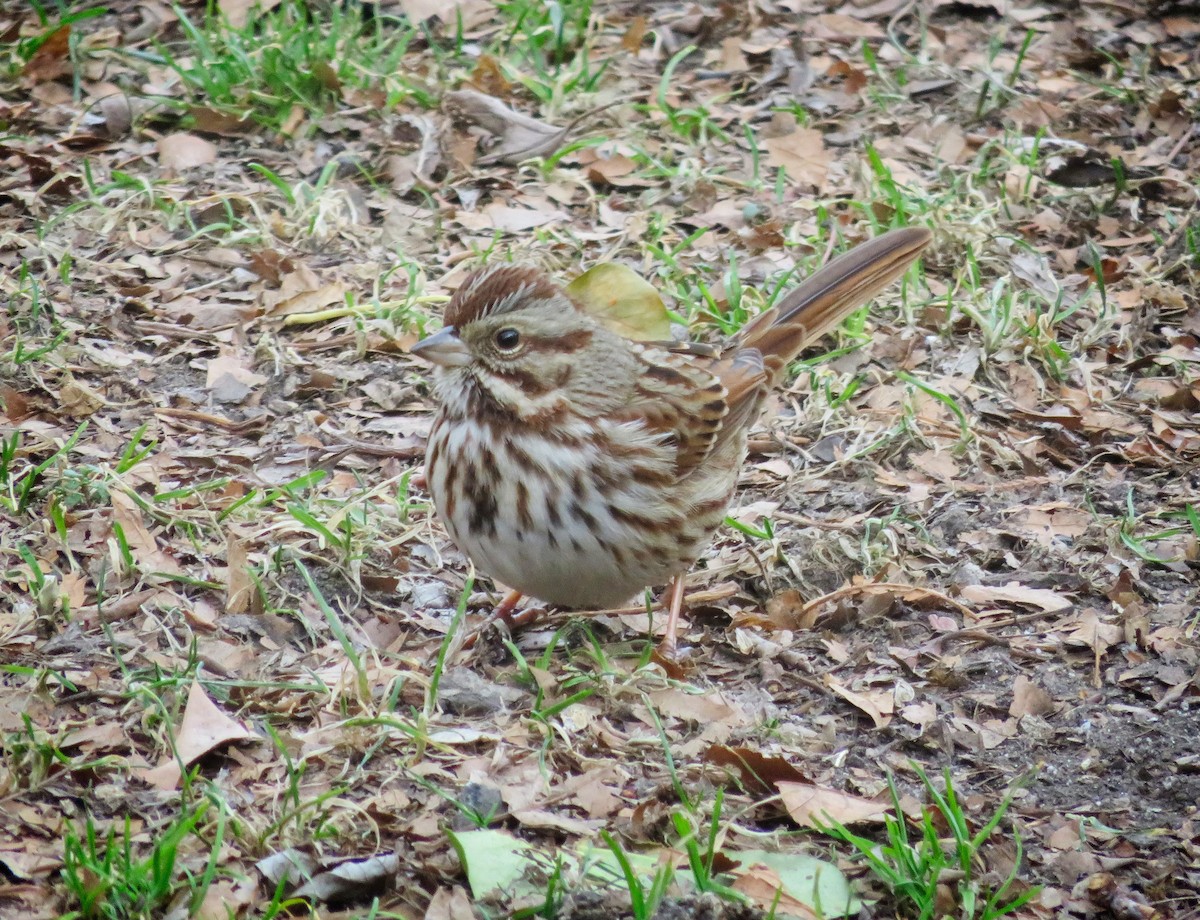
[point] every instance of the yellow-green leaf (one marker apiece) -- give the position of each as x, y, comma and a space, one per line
624, 301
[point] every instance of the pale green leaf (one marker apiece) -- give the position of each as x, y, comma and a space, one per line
624, 301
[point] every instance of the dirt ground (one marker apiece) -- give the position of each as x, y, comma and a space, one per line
966, 542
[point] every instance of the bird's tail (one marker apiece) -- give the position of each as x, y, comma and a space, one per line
824, 299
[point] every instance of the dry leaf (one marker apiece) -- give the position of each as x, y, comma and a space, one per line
184, 151
450, 904
758, 772
814, 806
229, 380
79, 400
519, 137
50, 59
1029, 699
704, 708
878, 704
301, 291
1013, 593
765, 888
802, 154
238, 11
203, 729
141, 542
239, 586
631, 41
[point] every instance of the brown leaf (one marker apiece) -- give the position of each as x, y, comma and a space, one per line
16, 406
203, 729
838, 27
519, 137
80, 400
213, 121
632, 40
229, 380
704, 708
238, 11
301, 291
765, 888
50, 60
142, 543
185, 151
802, 154
489, 79
1013, 593
239, 586
878, 704
758, 772
1029, 699
450, 904
788, 609
814, 806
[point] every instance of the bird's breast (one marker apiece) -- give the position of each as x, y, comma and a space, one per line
584, 516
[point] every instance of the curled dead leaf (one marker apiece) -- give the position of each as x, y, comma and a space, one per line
519, 137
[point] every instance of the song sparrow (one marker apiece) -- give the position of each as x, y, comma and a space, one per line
579, 467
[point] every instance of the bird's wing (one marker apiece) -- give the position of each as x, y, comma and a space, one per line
679, 396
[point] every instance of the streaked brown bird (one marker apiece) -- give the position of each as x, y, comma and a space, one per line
579, 467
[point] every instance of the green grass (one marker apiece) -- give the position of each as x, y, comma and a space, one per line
116, 875
295, 60
919, 870
546, 48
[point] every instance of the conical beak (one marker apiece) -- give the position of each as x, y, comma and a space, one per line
444, 347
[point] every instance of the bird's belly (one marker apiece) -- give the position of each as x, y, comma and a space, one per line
562, 520
579, 574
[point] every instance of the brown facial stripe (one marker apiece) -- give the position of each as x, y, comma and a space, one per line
524, 381
434, 453
553, 496
490, 290
487, 460
712, 506
567, 343
483, 409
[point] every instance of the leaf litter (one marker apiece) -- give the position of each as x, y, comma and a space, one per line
987, 565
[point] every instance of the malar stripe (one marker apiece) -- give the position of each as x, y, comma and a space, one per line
523, 380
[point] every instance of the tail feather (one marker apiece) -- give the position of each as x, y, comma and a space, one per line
824, 299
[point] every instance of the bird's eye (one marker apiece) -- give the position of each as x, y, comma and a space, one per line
508, 339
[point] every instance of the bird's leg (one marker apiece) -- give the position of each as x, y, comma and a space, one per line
504, 612
674, 604
504, 609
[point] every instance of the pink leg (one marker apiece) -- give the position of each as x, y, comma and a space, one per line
503, 612
674, 599
504, 609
